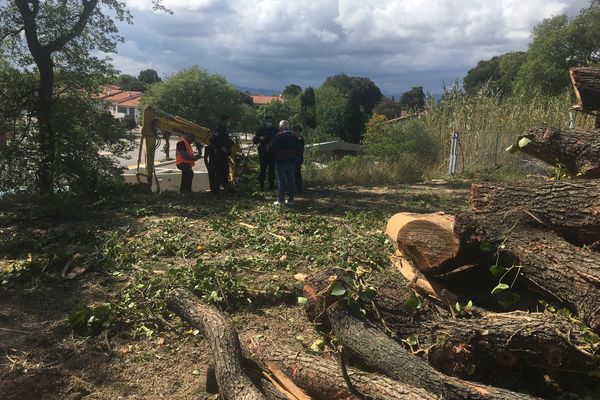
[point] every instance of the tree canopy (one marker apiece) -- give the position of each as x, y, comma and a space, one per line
414, 99
60, 41
195, 94
292, 90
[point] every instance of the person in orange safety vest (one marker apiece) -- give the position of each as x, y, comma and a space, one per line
185, 160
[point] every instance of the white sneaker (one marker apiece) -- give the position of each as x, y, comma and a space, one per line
278, 203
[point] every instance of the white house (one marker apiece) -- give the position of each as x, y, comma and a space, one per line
122, 102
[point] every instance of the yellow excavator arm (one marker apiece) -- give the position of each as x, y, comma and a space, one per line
154, 119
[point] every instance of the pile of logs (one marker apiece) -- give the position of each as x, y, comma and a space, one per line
500, 302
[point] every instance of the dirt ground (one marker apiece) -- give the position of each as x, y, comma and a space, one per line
42, 358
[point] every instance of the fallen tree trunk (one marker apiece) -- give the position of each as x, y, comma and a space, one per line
383, 354
435, 243
577, 150
572, 209
224, 344
494, 342
558, 269
586, 82
322, 378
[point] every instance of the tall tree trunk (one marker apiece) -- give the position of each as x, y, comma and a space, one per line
47, 138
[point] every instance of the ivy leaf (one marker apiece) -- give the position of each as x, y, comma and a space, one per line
457, 307
413, 303
486, 246
338, 289
524, 142
508, 299
500, 288
302, 300
497, 271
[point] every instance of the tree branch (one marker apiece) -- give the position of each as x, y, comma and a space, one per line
59, 43
29, 24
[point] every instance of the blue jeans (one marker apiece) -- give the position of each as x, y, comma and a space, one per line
287, 183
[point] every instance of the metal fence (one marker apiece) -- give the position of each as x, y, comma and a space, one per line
478, 150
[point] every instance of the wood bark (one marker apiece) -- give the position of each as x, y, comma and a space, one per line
572, 209
556, 268
577, 150
435, 243
224, 344
586, 82
380, 352
321, 377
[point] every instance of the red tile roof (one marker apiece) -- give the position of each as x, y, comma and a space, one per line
263, 100
121, 97
135, 103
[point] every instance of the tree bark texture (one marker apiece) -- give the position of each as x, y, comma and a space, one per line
435, 243
571, 208
586, 82
577, 150
383, 354
224, 344
322, 378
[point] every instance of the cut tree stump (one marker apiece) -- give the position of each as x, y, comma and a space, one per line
572, 209
322, 378
435, 243
577, 150
586, 82
380, 352
224, 344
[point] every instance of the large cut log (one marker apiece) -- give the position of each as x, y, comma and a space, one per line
497, 343
322, 378
586, 82
224, 344
572, 209
576, 150
558, 269
435, 243
380, 352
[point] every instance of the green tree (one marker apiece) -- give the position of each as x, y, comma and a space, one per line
414, 99
249, 119
130, 82
496, 74
60, 39
361, 95
308, 111
559, 43
389, 108
292, 90
288, 109
197, 95
331, 110
148, 76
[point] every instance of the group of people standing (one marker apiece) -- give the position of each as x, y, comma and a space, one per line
280, 151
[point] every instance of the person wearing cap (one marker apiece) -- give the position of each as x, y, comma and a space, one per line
284, 148
263, 136
220, 149
185, 160
297, 130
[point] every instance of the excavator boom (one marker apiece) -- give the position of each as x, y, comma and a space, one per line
154, 119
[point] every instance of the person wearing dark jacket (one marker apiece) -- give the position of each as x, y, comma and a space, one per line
263, 136
185, 160
218, 160
297, 130
284, 149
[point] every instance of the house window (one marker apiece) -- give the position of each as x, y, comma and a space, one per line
132, 111
122, 110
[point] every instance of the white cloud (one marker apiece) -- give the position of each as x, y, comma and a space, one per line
272, 43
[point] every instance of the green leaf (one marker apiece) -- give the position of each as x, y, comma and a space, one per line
457, 306
511, 148
470, 304
486, 246
318, 345
500, 288
508, 299
524, 142
302, 300
497, 271
338, 289
412, 340
413, 303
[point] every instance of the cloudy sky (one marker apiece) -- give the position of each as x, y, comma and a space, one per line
272, 43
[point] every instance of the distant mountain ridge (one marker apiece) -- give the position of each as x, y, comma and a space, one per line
257, 91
